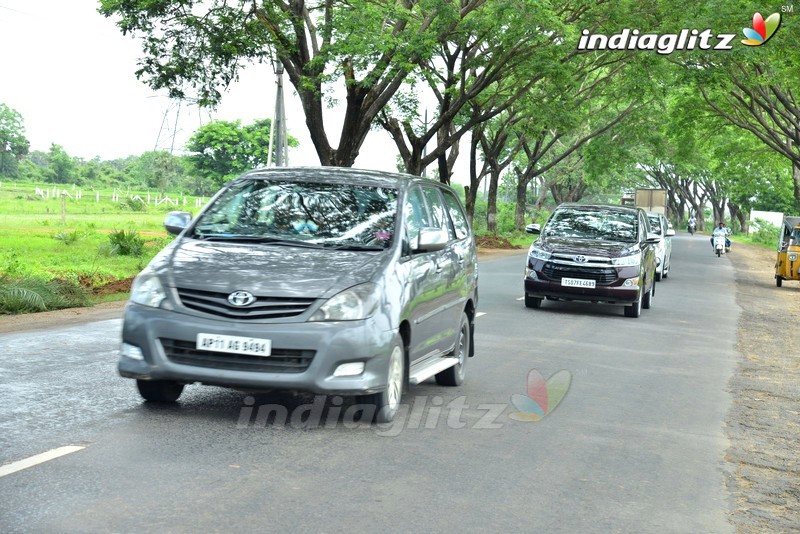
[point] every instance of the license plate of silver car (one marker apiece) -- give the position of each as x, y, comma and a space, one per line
234, 344
577, 282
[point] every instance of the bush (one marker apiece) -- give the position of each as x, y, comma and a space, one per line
24, 295
764, 233
126, 243
68, 237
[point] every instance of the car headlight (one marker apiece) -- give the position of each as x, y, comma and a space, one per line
147, 290
358, 302
538, 254
627, 261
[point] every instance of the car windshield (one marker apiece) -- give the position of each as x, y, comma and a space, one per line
303, 214
592, 224
655, 225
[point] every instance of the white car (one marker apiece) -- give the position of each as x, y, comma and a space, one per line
661, 227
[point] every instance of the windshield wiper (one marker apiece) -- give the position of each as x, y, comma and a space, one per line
353, 246
234, 238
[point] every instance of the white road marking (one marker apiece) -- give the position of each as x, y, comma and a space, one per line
521, 298
38, 459
479, 314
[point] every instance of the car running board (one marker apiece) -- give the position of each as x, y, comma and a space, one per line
424, 370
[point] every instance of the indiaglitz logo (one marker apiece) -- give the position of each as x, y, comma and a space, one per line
686, 39
542, 396
762, 30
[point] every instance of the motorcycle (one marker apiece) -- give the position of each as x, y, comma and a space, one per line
719, 245
692, 228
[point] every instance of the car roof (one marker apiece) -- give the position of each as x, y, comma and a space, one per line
600, 207
338, 175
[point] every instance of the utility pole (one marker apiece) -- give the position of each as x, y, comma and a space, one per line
277, 137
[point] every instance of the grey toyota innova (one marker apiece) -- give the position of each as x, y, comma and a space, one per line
325, 280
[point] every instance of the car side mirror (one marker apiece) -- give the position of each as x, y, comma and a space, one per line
670, 232
533, 229
431, 240
176, 221
653, 239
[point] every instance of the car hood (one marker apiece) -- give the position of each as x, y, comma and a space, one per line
587, 247
262, 269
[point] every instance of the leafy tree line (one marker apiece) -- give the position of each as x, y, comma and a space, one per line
558, 123
216, 153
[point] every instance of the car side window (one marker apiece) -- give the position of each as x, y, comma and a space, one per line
437, 210
457, 217
416, 215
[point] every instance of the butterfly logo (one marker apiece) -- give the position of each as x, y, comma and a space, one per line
543, 396
762, 30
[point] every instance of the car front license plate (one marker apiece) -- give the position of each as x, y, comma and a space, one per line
234, 344
577, 282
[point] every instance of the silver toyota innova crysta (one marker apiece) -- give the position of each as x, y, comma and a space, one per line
325, 280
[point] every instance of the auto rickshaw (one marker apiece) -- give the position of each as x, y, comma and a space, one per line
787, 267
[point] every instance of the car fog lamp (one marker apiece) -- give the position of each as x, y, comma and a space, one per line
131, 351
349, 369
630, 282
531, 274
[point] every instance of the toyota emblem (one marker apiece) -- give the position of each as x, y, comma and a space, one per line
241, 298
580, 259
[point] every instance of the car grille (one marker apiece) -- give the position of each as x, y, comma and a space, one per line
281, 360
263, 308
555, 271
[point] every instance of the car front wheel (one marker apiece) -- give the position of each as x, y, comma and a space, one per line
533, 302
635, 309
159, 390
647, 300
387, 402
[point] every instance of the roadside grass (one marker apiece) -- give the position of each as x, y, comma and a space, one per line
55, 255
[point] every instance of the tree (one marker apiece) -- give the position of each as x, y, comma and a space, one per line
158, 169
367, 47
13, 143
221, 150
61, 168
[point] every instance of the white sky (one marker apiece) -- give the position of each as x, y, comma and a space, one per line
69, 72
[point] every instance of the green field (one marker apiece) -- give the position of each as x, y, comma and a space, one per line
64, 241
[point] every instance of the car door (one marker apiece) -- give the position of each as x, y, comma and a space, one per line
424, 281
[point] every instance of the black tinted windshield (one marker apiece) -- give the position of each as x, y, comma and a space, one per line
338, 215
592, 224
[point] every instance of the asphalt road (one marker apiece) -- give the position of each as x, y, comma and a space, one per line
636, 444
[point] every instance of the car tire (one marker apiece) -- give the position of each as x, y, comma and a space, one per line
533, 302
387, 402
454, 376
159, 390
635, 309
659, 276
647, 300
779, 281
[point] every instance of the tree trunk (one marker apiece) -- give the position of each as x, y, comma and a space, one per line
491, 210
796, 181
522, 202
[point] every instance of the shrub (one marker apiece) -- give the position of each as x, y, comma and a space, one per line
126, 243
23, 295
764, 233
68, 237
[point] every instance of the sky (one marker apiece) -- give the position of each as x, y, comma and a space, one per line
69, 72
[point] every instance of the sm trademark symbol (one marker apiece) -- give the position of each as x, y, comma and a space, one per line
787, 8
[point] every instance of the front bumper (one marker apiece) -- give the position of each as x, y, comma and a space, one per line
538, 284
304, 354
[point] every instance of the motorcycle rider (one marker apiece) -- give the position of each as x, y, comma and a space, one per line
692, 224
723, 231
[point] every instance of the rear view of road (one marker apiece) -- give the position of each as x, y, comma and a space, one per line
636, 444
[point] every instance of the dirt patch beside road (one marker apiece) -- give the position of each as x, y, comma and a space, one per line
764, 421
